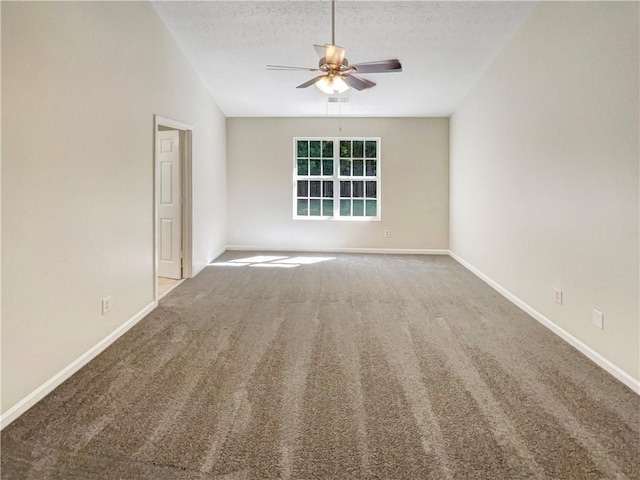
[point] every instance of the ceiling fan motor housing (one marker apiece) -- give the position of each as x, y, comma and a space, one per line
327, 67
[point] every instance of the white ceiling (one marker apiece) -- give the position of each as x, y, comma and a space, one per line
444, 48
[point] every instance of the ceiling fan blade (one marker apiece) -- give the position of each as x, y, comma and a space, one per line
285, 67
310, 82
378, 67
334, 54
358, 83
320, 50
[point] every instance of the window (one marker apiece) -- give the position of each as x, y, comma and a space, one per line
336, 178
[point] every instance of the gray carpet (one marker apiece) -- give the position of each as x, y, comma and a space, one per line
358, 367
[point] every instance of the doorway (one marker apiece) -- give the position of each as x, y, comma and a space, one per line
172, 204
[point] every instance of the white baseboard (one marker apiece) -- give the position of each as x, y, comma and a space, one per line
43, 390
218, 253
47, 387
590, 353
389, 251
198, 269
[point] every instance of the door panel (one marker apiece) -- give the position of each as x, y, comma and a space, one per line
166, 191
169, 208
166, 230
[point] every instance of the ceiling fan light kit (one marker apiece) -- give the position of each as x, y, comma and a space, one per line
332, 85
337, 75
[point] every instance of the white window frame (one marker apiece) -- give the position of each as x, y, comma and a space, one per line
336, 178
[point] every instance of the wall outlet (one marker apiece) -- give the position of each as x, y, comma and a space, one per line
387, 233
597, 318
106, 305
557, 295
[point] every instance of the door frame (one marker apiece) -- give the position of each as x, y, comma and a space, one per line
186, 195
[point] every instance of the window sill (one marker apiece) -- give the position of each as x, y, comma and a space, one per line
340, 219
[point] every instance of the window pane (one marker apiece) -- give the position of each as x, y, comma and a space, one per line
358, 208
314, 148
358, 149
314, 208
345, 189
345, 208
345, 148
314, 190
370, 149
345, 167
327, 148
358, 168
303, 167
327, 189
327, 208
372, 209
316, 196
303, 148
371, 189
314, 167
358, 189
303, 188
371, 168
303, 208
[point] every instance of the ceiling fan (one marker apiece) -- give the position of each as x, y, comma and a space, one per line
337, 75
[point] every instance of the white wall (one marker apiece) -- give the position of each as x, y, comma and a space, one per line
544, 172
81, 82
414, 178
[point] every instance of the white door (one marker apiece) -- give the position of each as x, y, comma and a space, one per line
169, 208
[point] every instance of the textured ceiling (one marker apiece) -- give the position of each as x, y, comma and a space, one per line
444, 48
